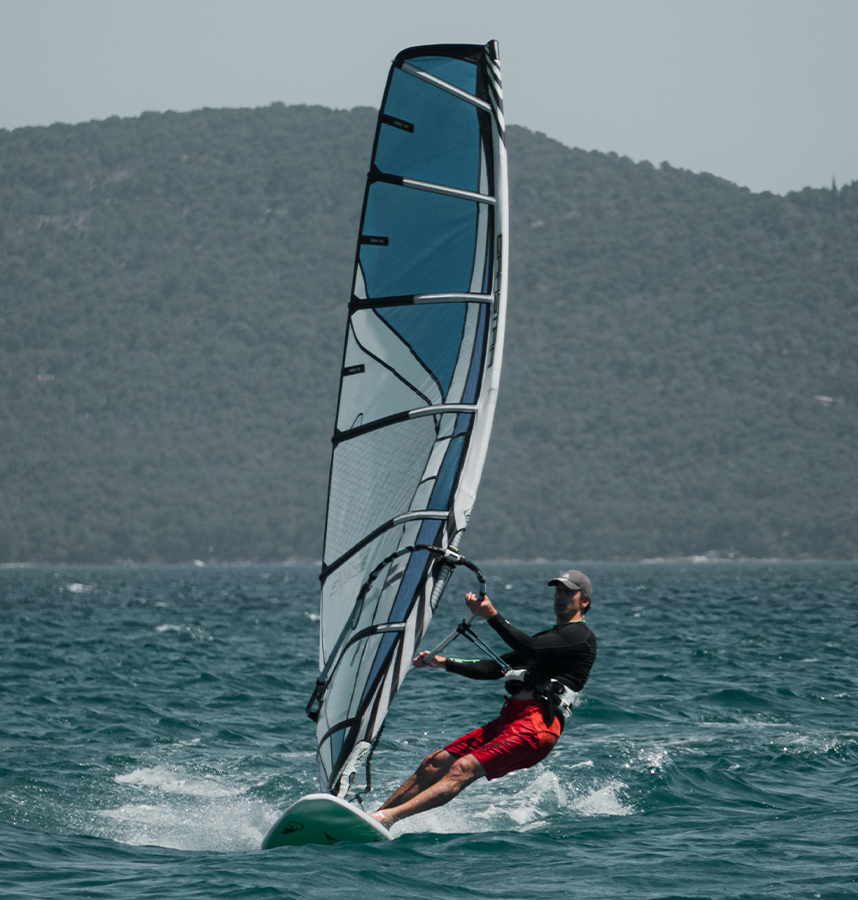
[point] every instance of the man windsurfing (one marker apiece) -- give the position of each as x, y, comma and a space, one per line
543, 673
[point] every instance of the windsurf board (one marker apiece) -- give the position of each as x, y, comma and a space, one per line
323, 819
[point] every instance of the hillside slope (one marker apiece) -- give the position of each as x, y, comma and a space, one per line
680, 373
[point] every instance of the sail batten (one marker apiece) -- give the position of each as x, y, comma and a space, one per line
445, 86
431, 186
447, 191
418, 382
340, 436
379, 302
395, 522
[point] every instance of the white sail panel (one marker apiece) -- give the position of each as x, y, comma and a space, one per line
373, 477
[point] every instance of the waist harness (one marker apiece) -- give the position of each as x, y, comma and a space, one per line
557, 697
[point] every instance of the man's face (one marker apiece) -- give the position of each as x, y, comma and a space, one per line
567, 603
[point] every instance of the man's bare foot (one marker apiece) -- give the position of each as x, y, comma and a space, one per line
383, 819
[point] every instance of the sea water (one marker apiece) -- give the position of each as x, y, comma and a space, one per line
152, 728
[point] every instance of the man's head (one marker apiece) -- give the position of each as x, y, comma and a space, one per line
572, 590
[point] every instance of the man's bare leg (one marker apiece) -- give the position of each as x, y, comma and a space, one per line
430, 771
462, 772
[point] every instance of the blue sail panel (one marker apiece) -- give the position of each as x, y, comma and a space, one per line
428, 242
441, 146
476, 367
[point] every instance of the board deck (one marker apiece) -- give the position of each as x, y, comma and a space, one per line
323, 819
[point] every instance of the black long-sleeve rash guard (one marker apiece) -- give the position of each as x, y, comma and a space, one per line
565, 652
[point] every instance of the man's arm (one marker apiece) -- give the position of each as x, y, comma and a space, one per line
479, 669
484, 669
547, 647
544, 647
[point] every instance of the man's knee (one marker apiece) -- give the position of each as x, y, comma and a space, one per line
439, 761
466, 769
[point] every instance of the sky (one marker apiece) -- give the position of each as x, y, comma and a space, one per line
760, 92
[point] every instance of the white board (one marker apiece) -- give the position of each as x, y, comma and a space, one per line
323, 819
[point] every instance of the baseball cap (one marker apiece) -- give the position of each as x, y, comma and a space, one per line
575, 580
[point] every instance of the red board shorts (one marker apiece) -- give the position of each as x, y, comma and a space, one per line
517, 739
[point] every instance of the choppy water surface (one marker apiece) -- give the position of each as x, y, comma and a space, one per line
152, 728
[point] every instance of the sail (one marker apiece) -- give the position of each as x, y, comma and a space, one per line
418, 384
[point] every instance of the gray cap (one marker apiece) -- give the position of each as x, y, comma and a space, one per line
576, 581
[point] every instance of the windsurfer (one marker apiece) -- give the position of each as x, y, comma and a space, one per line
542, 669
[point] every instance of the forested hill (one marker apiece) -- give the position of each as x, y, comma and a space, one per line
680, 373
